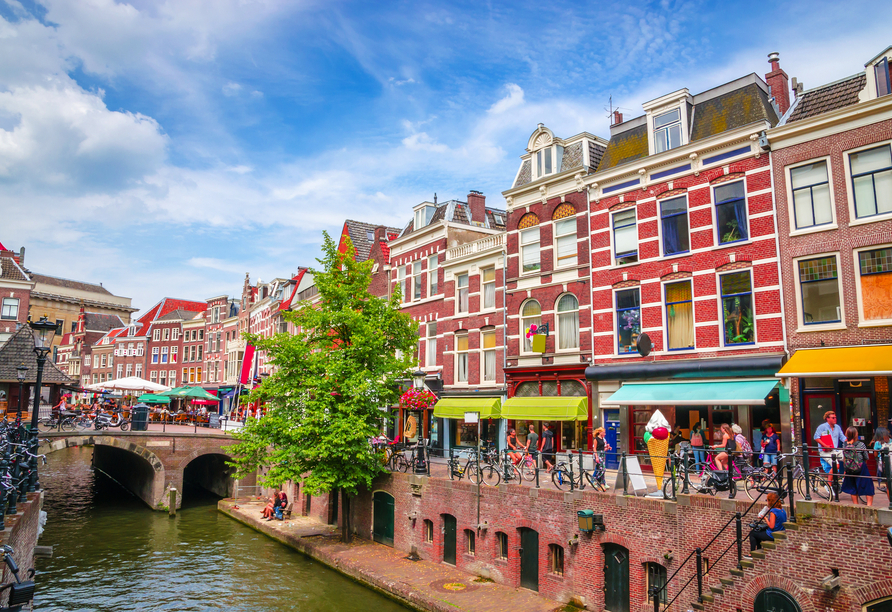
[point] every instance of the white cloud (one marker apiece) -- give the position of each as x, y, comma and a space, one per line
512, 100
231, 89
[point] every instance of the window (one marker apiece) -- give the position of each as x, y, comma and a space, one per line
153, 376
679, 316
138, 370
156, 335
529, 247
164, 350
674, 221
192, 356
737, 308
502, 544
547, 162
625, 237
416, 279
129, 369
488, 342
431, 359
200, 350
628, 320
462, 284
530, 313
811, 195
139, 350
403, 282
489, 288
162, 377
172, 378
432, 274
470, 543
102, 361
730, 212
883, 75
820, 290
565, 235
428, 531
461, 350
568, 322
667, 131
173, 354
166, 333
86, 361
10, 309
175, 334
186, 375
875, 277
59, 324
198, 375
555, 559
656, 578
872, 181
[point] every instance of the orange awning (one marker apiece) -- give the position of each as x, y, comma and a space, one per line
840, 362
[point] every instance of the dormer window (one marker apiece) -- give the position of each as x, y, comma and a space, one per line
546, 153
667, 131
423, 215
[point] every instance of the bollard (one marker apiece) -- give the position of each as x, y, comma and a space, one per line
537, 474
687, 466
739, 521
806, 470
451, 464
172, 511
570, 461
582, 472
834, 486
673, 466
789, 467
622, 467
13, 474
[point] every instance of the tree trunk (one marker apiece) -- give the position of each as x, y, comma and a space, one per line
345, 517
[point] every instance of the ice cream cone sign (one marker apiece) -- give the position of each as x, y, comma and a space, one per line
658, 445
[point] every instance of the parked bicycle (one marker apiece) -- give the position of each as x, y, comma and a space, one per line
562, 475
488, 472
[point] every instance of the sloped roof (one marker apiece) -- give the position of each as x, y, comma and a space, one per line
455, 211
19, 349
95, 321
358, 232
828, 98
177, 315
286, 304
69, 284
732, 110
164, 307
625, 147
11, 270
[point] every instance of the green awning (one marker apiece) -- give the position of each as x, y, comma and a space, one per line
721, 393
568, 408
456, 407
153, 398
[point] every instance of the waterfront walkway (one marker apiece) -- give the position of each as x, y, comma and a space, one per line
422, 585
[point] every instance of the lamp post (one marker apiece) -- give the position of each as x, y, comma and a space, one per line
43, 342
21, 373
420, 461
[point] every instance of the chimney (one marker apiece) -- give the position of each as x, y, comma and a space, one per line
778, 83
380, 234
477, 204
22, 256
617, 118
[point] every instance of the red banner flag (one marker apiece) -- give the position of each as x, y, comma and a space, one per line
247, 365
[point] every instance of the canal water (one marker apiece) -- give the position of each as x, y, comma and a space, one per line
111, 553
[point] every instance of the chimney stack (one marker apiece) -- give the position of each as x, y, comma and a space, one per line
380, 234
617, 118
477, 204
778, 83
22, 256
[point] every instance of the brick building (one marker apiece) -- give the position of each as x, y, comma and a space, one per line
832, 165
76, 348
192, 361
15, 293
166, 348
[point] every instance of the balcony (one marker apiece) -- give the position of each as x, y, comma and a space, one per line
490, 243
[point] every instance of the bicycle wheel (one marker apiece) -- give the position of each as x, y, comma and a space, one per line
561, 478
754, 484
667, 487
125, 425
528, 471
732, 491
514, 475
491, 475
402, 464
698, 475
45, 425
67, 425
817, 483
471, 472
84, 423
594, 480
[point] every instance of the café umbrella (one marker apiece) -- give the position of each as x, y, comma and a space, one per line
191, 393
128, 383
153, 398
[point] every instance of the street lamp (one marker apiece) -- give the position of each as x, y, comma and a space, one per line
21, 373
420, 461
43, 342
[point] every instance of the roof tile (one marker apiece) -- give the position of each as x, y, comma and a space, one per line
828, 98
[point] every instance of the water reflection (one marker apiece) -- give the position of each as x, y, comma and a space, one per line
112, 553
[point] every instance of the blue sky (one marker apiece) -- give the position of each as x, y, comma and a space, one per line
167, 148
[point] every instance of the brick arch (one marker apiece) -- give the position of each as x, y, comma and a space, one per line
70, 441
870, 593
187, 459
615, 539
727, 178
563, 210
764, 581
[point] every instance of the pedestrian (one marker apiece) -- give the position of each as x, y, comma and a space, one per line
513, 446
743, 445
858, 481
829, 437
881, 440
697, 444
547, 447
532, 445
601, 448
770, 448
726, 446
775, 517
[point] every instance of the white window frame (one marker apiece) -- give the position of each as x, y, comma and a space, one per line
801, 327
403, 285
538, 159
458, 293
657, 131
558, 237
129, 370
856, 257
175, 334
458, 356
483, 286
523, 326
791, 205
166, 334
850, 186
156, 335
153, 376
531, 245
164, 350
433, 274
162, 377
431, 344
557, 321
139, 350
417, 288
721, 309
485, 352
102, 360
7, 305
171, 378
138, 370
613, 254
87, 360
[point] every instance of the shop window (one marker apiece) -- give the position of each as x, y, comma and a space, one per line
488, 343
462, 288
555, 559
530, 314
568, 322
872, 181
565, 236
737, 308
820, 290
470, 543
461, 358
679, 316
489, 288
674, 224
431, 360
428, 531
502, 545
730, 212
628, 320
875, 276
656, 578
432, 273
625, 237
811, 195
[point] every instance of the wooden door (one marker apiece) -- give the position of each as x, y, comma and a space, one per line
616, 578
529, 559
382, 519
879, 606
775, 600
449, 529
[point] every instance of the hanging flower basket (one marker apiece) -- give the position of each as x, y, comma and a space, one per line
415, 399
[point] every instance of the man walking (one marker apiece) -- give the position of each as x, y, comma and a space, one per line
531, 446
547, 447
829, 437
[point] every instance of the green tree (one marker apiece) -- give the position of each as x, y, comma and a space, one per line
330, 380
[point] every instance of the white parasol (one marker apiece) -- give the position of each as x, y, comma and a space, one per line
129, 383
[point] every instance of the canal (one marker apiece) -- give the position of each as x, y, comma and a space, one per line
111, 553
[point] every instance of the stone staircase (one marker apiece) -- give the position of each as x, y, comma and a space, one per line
737, 577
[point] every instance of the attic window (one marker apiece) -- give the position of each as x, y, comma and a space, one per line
370, 235
667, 131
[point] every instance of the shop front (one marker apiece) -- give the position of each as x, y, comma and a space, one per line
853, 382
568, 417
467, 420
414, 418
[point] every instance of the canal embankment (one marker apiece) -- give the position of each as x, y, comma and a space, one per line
421, 585
20, 531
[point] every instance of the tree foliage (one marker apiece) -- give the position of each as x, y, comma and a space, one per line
331, 378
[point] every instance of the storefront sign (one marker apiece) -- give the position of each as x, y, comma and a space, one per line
214, 420
472, 417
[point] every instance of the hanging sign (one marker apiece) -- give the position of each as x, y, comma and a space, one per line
472, 417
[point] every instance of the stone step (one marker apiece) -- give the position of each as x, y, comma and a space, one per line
717, 590
708, 598
727, 581
698, 606
791, 526
779, 535
747, 564
737, 572
757, 554
769, 545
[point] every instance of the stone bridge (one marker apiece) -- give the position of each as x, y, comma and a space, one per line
150, 464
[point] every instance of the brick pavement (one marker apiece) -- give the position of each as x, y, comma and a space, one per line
421, 585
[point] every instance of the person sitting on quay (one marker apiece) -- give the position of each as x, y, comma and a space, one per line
267, 512
280, 504
775, 517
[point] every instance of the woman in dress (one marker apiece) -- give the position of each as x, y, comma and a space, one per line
858, 481
721, 460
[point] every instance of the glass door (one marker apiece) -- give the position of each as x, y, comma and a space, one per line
815, 408
857, 412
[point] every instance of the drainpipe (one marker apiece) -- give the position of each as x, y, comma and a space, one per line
591, 317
